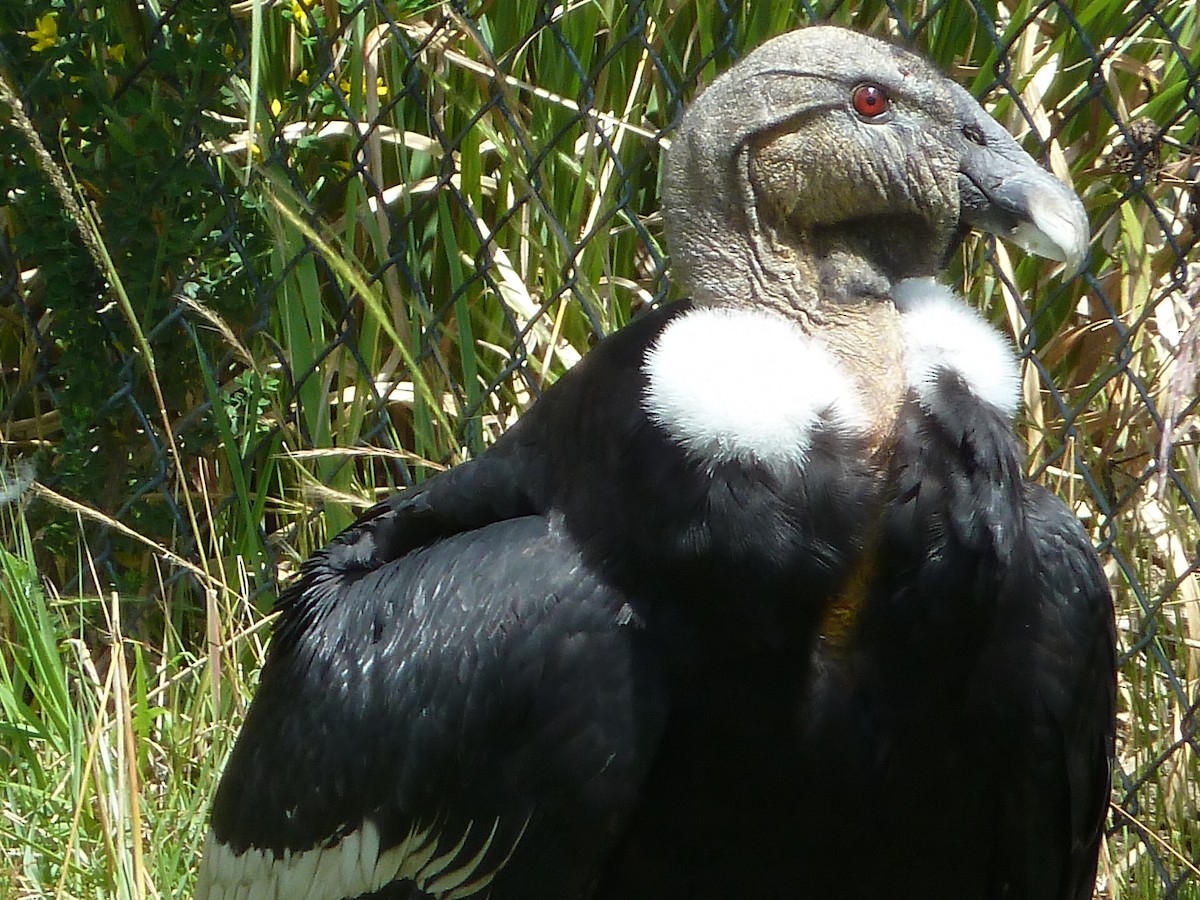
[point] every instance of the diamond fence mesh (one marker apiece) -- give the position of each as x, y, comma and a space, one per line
263, 263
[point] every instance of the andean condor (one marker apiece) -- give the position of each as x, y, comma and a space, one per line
756, 600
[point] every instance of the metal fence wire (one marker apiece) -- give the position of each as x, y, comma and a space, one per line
350, 240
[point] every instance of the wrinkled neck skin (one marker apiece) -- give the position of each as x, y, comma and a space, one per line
884, 253
815, 276
835, 282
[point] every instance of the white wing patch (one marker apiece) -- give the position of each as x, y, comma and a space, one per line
349, 867
943, 333
747, 385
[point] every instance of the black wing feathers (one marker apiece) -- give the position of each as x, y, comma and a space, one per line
1073, 654
993, 639
445, 692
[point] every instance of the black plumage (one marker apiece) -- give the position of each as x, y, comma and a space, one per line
659, 643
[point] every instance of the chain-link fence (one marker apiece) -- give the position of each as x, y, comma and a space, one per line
336, 245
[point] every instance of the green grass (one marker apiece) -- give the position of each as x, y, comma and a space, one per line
113, 743
342, 349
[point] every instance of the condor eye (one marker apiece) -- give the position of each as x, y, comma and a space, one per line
870, 101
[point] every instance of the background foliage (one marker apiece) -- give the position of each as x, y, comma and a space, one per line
262, 263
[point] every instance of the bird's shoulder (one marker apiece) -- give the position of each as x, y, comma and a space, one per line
547, 452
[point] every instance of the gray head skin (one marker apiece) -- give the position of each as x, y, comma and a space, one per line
777, 193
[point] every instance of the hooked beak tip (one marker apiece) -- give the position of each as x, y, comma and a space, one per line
1056, 228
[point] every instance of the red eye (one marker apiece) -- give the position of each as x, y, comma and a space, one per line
870, 100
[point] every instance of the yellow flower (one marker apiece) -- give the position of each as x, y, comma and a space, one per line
302, 78
381, 89
45, 35
117, 53
276, 107
301, 16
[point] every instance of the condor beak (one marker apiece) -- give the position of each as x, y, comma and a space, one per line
1003, 191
